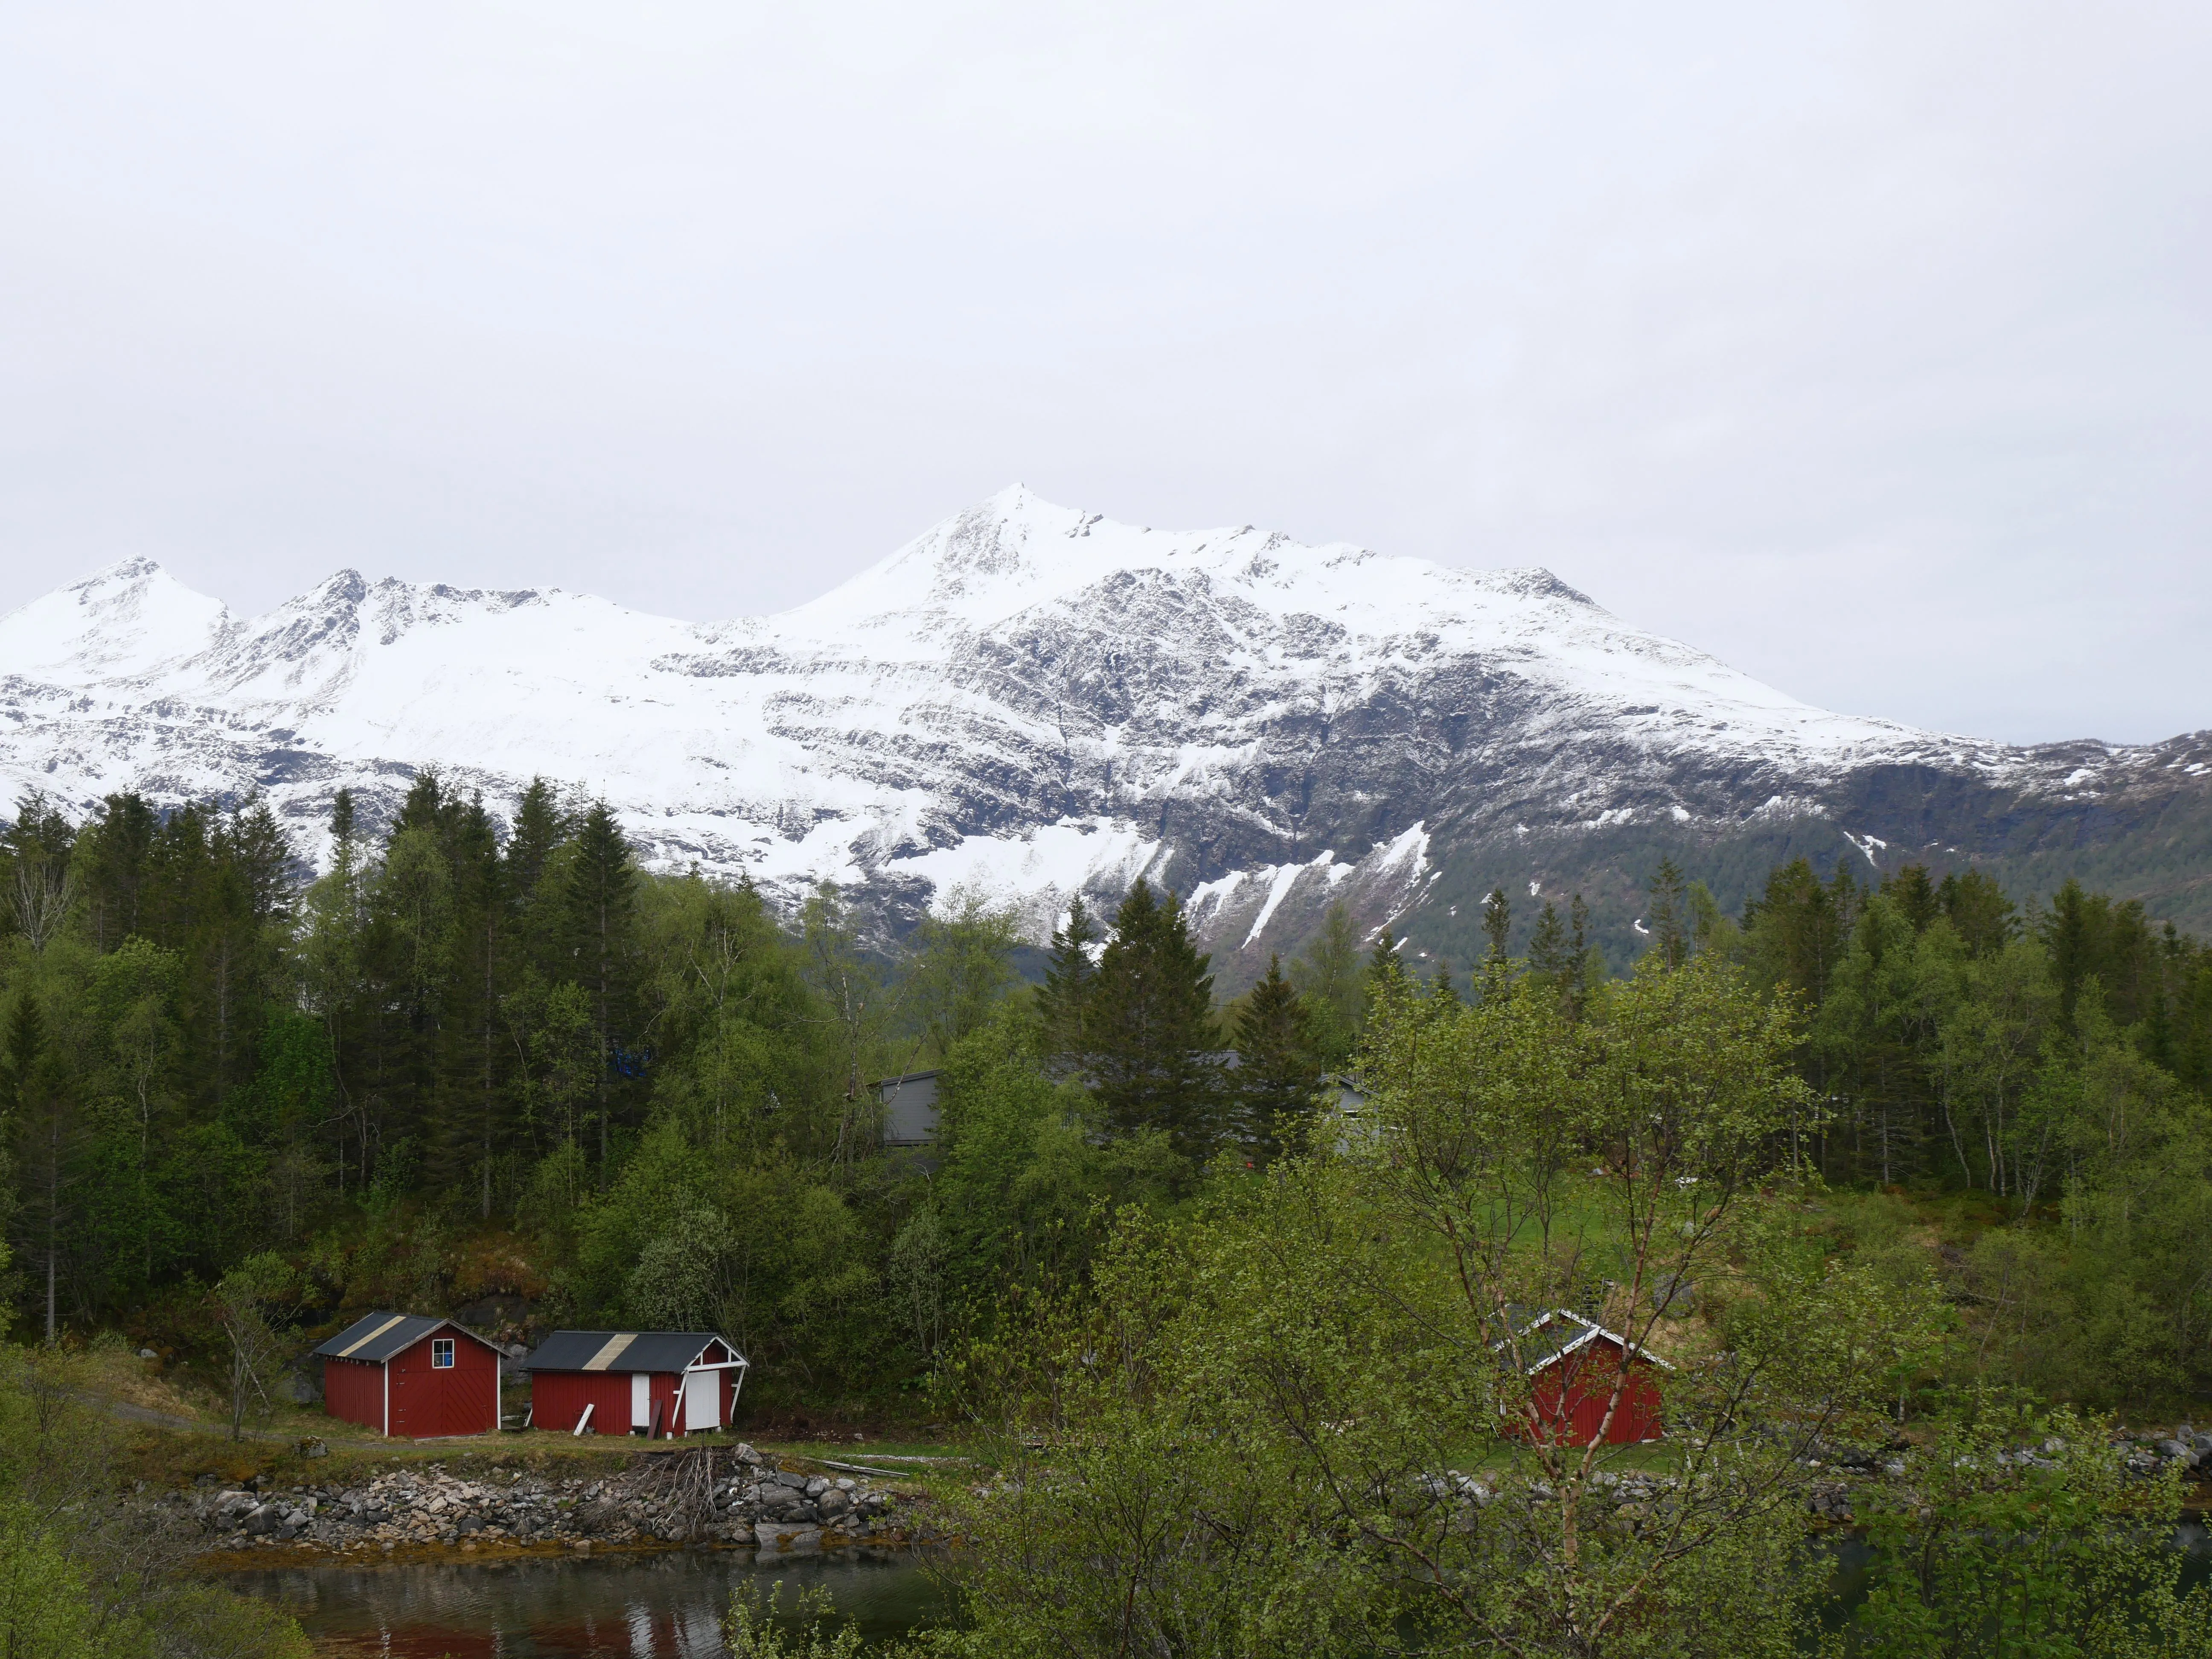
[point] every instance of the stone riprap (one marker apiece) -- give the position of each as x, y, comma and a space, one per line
732, 1498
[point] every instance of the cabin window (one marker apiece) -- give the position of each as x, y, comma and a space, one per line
441, 1353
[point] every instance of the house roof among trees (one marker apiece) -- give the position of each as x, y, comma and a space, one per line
379, 1336
625, 1351
1549, 1336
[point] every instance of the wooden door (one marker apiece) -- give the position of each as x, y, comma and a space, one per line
702, 1400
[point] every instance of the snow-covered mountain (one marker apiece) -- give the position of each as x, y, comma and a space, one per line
1035, 700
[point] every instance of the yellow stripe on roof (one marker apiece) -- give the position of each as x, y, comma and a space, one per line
363, 1341
612, 1351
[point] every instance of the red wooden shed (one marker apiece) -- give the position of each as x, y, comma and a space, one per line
655, 1383
410, 1374
1574, 1367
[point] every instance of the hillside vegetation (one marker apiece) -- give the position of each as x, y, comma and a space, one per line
1883, 1164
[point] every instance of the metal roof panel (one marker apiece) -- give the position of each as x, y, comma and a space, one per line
623, 1351
377, 1337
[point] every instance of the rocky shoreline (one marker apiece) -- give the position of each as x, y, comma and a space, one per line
729, 1497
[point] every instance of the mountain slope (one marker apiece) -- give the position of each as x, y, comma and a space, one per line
1035, 700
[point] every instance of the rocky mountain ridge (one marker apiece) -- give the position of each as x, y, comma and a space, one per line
1036, 701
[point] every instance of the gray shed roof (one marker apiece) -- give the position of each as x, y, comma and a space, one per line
624, 1350
377, 1337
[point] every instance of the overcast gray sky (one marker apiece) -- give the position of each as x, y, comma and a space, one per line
1869, 346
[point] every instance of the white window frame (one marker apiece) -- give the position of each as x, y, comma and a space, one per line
439, 1344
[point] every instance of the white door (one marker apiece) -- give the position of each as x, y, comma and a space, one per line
641, 1400
702, 1400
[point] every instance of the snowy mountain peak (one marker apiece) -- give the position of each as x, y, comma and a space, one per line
126, 619
1029, 697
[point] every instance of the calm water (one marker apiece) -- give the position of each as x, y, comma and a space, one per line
671, 1605
639, 1606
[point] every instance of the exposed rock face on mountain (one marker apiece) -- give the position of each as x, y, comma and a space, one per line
1036, 701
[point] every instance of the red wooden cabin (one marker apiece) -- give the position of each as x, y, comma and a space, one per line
407, 1374
657, 1383
1573, 1367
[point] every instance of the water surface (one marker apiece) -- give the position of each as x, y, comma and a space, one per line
636, 1607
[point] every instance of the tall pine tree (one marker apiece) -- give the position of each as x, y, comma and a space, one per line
1498, 930
1278, 1073
1149, 1029
1550, 957
1670, 921
1069, 975
602, 900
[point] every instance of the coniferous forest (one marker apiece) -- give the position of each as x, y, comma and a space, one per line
1904, 1157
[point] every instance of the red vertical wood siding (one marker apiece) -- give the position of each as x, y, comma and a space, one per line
460, 1399
1571, 1398
557, 1399
353, 1390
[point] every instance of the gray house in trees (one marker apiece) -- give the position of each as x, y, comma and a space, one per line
910, 1105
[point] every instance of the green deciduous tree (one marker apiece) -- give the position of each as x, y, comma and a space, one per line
960, 969
1257, 1417
1327, 976
2015, 1532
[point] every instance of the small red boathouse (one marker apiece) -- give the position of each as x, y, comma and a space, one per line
657, 1383
1573, 1367
409, 1374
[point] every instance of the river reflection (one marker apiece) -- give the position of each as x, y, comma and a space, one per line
638, 1607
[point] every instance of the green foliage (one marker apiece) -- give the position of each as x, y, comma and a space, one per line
1251, 1420
758, 1628
960, 970
2015, 1533
471, 1057
1327, 976
1278, 1078
1064, 994
1025, 1176
46, 1609
1149, 1035
84, 1569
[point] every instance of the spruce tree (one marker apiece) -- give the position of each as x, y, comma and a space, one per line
1670, 937
1550, 958
1979, 909
602, 892
539, 827
1383, 963
1149, 1030
1497, 929
1497, 925
1587, 970
1278, 1073
473, 1123
1068, 976
1914, 895
1443, 996
1386, 979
